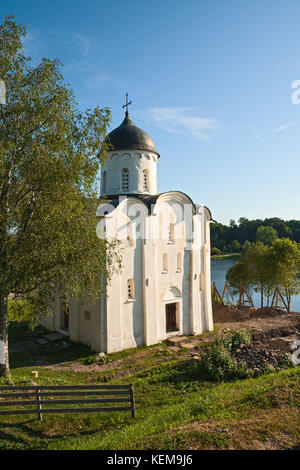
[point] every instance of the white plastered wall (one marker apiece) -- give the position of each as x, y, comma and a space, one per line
135, 162
189, 287
116, 322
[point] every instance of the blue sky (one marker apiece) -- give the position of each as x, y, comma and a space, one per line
211, 82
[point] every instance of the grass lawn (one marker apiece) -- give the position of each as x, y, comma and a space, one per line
175, 408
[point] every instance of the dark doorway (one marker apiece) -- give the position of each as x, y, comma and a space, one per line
64, 315
171, 324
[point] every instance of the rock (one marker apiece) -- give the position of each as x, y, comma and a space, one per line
54, 336
101, 358
42, 341
284, 343
175, 340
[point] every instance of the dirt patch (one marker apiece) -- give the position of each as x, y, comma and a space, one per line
273, 333
259, 357
265, 321
81, 367
119, 367
225, 314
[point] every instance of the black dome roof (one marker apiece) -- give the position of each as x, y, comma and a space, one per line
129, 137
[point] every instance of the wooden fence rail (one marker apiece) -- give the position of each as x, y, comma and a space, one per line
35, 397
245, 298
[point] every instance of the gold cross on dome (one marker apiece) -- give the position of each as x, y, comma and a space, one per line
127, 104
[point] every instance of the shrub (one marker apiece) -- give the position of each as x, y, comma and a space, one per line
215, 251
233, 340
218, 364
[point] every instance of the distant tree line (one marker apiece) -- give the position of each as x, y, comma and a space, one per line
237, 237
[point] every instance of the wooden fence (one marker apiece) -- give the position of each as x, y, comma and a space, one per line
245, 298
41, 396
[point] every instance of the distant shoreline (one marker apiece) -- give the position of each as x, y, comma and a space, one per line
228, 255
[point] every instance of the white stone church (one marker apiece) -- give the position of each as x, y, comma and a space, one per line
164, 287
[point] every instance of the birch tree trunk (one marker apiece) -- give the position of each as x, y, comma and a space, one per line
4, 363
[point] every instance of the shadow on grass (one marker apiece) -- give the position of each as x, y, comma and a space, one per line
38, 435
9, 439
52, 353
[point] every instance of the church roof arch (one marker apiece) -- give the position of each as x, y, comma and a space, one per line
176, 196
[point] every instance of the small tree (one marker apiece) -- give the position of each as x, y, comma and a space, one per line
285, 261
253, 270
246, 245
266, 234
49, 160
257, 258
239, 274
235, 246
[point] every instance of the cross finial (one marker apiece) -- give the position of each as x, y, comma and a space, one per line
127, 104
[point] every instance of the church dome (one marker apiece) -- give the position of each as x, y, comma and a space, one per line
130, 137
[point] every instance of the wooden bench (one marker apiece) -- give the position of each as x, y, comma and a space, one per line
43, 396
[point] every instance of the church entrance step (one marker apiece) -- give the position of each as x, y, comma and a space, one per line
177, 340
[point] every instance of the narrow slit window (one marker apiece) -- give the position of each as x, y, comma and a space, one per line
130, 289
165, 262
146, 180
201, 282
125, 179
172, 232
179, 262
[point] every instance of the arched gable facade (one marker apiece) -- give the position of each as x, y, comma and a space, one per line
163, 288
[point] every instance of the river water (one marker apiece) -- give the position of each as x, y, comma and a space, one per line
219, 268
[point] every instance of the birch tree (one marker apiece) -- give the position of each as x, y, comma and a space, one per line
50, 153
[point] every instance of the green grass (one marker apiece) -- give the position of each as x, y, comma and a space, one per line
175, 408
227, 255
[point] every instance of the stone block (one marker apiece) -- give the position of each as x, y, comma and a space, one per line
54, 336
284, 343
176, 340
42, 341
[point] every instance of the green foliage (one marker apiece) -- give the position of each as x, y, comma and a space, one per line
233, 340
253, 270
238, 274
266, 267
285, 261
50, 155
266, 234
223, 235
235, 246
215, 251
246, 246
20, 310
217, 364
